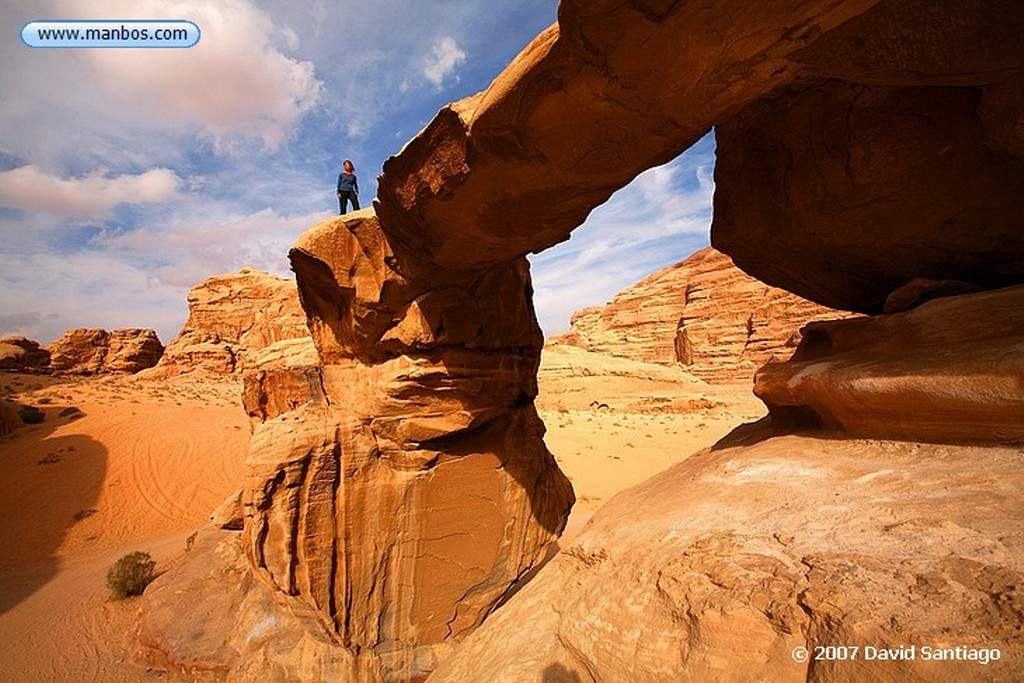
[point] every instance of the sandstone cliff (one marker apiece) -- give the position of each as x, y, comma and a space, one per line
231, 317
704, 313
90, 351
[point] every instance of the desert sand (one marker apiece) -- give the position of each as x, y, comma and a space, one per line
123, 464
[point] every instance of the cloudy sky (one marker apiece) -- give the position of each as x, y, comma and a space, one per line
129, 175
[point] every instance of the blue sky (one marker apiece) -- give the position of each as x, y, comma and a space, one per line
129, 175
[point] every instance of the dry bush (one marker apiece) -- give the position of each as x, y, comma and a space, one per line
130, 575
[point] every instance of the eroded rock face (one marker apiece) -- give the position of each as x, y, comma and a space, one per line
902, 161
951, 370
89, 351
230, 318
718, 568
21, 353
703, 313
402, 486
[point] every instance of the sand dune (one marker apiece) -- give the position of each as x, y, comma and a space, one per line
136, 467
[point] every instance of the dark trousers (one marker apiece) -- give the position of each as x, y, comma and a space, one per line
344, 198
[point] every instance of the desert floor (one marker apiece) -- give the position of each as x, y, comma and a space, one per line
123, 464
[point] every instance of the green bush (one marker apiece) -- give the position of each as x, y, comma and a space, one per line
31, 415
130, 575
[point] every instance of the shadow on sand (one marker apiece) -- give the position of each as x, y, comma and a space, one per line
50, 483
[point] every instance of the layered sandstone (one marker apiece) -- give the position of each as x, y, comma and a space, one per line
412, 488
21, 353
951, 370
232, 317
721, 567
703, 313
88, 351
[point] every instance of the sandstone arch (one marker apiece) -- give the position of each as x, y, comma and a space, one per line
404, 486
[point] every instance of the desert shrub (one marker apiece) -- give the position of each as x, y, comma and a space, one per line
130, 575
31, 415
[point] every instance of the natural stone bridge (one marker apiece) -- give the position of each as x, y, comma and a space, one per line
401, 487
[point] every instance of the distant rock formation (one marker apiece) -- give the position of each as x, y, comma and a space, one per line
21, 353
950, 370
87, 351
736, 562
704, 313
230, 318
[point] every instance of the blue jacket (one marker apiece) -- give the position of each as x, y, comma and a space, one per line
347, 183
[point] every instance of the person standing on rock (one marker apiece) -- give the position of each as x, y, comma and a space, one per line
348, 188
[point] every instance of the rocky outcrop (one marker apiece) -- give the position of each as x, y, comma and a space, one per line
398, 485
724, 566
951, 370
232, 317
703, 313
900, 159
21, 353
84, 351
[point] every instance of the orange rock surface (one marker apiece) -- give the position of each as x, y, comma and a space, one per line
230, 317
89, 351
950, 370
724, 566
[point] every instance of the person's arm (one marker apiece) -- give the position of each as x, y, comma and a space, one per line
355, 184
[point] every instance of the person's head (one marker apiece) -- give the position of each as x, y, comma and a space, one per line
348, 166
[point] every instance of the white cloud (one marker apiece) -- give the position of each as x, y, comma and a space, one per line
93, 195
445, 56
85, 289
192, 248
235, 84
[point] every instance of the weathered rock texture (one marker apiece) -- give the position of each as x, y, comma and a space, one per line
89, 351
951, 370
902, 161
20, 353
719, 568
398, 484
703, 313
230, 318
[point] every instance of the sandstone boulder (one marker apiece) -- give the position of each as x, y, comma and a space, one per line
703, 313
721, 567
21, 353
87, 351
951, 370
230, 318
